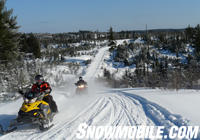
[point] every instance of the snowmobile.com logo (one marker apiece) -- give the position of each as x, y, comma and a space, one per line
136, 132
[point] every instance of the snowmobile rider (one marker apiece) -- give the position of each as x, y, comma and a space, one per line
42, 87
81, 81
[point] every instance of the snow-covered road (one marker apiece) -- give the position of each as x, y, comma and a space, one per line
105, 107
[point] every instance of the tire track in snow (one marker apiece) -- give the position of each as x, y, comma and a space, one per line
153, 110
59, 127
110, 109
159, 115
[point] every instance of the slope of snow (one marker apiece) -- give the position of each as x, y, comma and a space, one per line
116, 70
123, 41
183, 102
139, 41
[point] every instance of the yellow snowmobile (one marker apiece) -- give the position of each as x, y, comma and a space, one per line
33, 111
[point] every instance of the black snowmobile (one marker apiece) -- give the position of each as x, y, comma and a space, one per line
33, 111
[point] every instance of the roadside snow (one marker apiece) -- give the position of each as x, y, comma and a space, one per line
183, 102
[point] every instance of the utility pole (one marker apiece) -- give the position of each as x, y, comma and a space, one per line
146, 30
147, 40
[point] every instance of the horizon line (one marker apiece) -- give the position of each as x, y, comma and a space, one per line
137, 30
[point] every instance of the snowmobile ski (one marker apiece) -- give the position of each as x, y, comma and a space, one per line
46, 129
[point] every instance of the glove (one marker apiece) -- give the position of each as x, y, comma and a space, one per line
43, 93
40, 95
47, 91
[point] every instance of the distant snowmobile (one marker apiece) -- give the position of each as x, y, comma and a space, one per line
33, 111
82, 87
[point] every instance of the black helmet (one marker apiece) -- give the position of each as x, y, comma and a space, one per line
39, 78
80, 78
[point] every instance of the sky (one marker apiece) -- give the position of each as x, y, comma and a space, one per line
57, 16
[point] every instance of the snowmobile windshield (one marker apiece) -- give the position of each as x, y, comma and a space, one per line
29, 101
30, 95
32, 100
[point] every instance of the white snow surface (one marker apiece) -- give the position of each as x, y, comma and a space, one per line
106, 106
94, 67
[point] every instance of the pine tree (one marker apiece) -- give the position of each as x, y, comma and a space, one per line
8, 34
34, 46
23, 44
110, 37
197, 42
189, 32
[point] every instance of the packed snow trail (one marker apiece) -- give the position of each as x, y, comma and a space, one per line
107, 107
95, 65
113, 109
93, 70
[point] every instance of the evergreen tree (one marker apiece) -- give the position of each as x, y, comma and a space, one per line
34, 46
8, 34
197, 42
23, 44
189, 32
110, 37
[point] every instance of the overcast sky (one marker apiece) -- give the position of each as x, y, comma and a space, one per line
73, 15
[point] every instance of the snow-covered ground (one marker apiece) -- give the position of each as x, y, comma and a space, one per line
183, 102
94, 67
106, 106
113, 67
109, 107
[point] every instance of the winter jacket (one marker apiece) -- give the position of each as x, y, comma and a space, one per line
44, 87
81, 82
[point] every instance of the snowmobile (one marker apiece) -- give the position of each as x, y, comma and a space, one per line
81, 88
33, 111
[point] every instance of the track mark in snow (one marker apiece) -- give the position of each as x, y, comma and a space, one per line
157, 114
63, 129
153, 110
111, 109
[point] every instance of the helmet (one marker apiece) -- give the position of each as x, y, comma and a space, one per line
39, 79
80, 78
